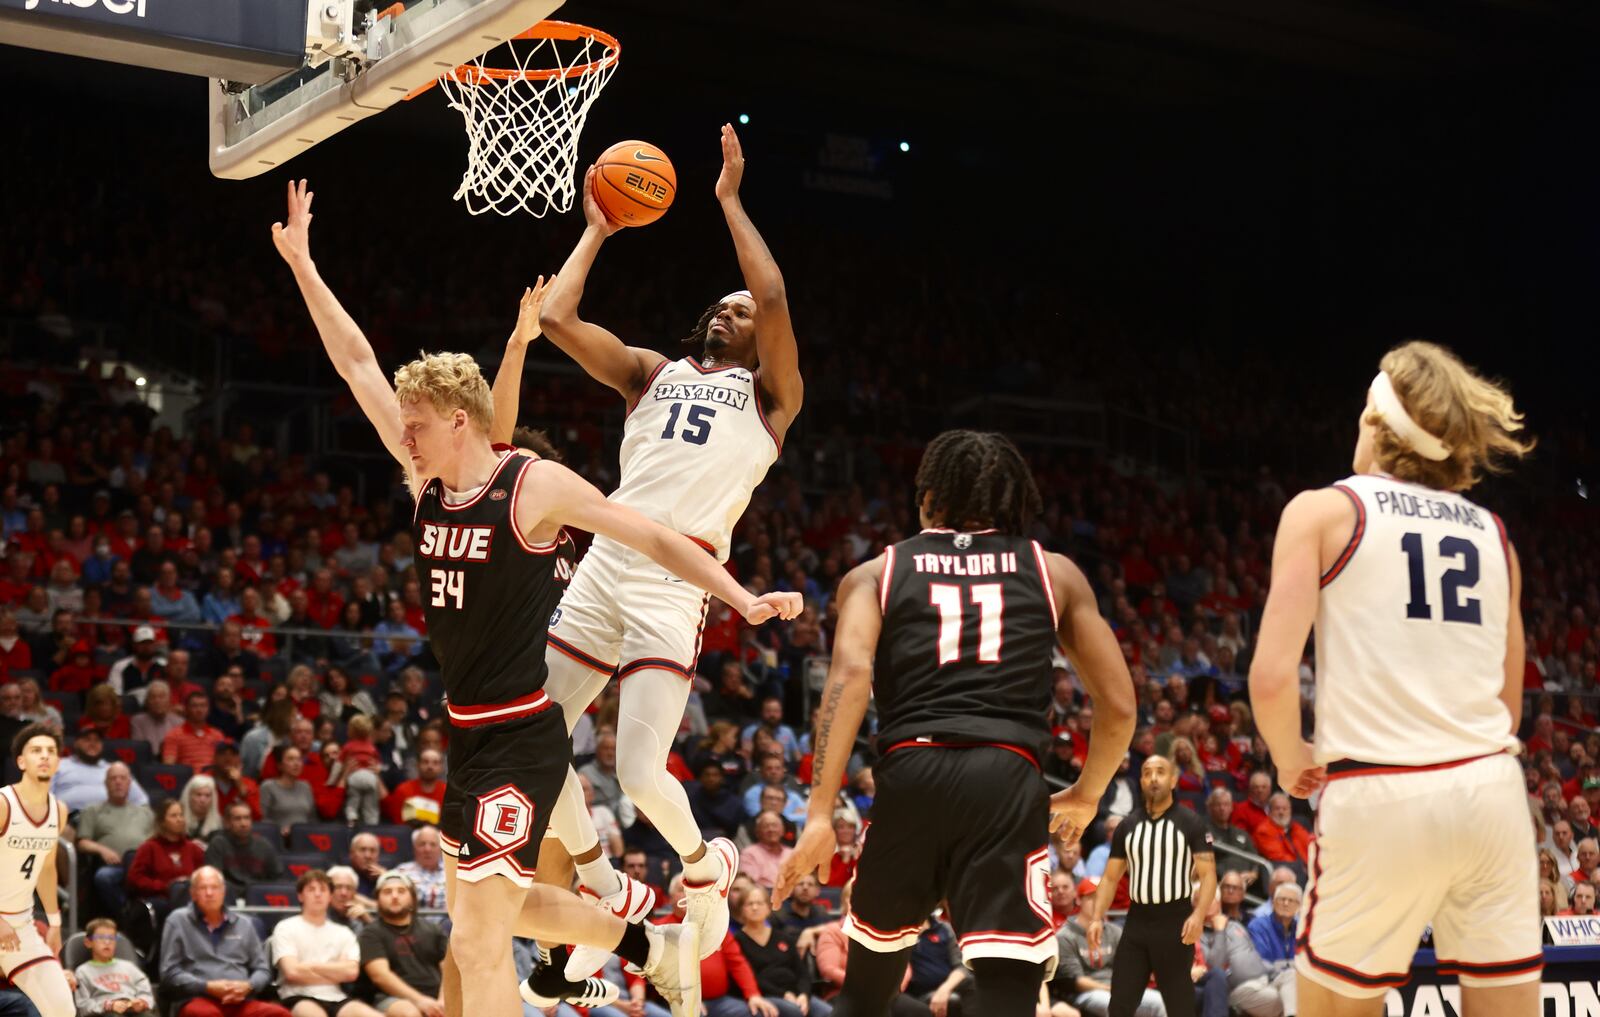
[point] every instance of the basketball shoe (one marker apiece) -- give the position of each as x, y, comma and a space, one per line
632, 903
706, 904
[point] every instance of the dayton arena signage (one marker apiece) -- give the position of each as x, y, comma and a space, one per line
1571, 985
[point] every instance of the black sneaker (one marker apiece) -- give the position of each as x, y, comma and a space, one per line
548, 984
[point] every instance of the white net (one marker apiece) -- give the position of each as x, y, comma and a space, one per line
523, 121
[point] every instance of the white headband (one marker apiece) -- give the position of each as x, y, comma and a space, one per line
735, 293
1388, 406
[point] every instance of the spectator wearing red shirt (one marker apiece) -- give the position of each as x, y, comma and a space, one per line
330, 800
103, 711
166, 858
15, 653
18, 580
1063, 897
324, 603
227, 773
194, 744
1252, 811
253, 625
1280, 838
427, 787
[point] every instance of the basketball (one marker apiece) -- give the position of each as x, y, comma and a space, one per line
634, 183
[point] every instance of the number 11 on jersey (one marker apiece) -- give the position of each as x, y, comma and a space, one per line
990, 601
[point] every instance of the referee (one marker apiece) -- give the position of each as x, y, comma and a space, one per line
1158, 846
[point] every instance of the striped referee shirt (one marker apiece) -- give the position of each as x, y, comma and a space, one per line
1160, 853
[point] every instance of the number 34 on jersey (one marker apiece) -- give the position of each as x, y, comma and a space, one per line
462, 543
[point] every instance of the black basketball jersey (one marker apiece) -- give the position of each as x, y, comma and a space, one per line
969, 626
488, 594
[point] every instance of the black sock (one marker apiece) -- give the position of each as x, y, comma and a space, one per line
635, 945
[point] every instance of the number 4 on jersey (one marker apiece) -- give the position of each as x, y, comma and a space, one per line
990, 600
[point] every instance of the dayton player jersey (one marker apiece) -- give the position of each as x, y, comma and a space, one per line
969, 625
26, 847
693, 448
488, 595
1411, 630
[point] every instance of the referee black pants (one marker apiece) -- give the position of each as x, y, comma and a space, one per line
1152, 942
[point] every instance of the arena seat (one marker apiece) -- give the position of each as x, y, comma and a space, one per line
330, 840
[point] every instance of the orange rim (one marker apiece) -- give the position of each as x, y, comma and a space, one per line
565, 31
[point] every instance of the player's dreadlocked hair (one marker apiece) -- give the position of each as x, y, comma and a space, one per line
699, 333
978, 479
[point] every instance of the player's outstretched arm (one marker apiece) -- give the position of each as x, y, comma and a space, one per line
1285, 625
508, 379
775, 342
597, 350
347, 347
838, 720
1093, 649
562, 498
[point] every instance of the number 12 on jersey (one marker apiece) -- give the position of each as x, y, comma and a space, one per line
989, 598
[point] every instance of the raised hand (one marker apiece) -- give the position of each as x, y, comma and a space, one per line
527, 329
591, 208
293, 239
813, 852
732, 165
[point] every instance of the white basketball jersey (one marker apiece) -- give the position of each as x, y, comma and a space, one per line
1411, 630
694, 448
26, 847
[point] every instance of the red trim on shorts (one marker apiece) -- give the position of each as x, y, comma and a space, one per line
886, 580
490, 713
917, 743
1355, 537
1502, 969
700, 629
25, 965
1354, 977
880, 935
703, 545
1341, 768
649, 380
594, 663
661, 663
1015, 938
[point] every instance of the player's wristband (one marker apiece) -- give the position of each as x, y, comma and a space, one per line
54, 919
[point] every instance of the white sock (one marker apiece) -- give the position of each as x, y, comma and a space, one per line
599, 876
703, 871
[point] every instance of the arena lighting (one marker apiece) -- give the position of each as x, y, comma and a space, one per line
139, 381
744, 118
905, 146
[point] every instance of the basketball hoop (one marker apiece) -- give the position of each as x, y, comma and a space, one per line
523, 121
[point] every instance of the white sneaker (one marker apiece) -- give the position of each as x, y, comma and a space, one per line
632, 903
546, 987
706, 904
674, 966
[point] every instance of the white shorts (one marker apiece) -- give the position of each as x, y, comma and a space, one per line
1398, 849
32, 949
623, 612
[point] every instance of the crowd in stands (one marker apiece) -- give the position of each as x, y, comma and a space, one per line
233, 644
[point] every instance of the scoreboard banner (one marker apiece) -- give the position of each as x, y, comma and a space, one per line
242, 40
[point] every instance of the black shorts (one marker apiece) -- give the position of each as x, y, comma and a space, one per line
965, 825
503, 781
331, 1009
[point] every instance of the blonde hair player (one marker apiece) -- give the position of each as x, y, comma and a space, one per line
700, 435
493, 558
28, 864
1413, 591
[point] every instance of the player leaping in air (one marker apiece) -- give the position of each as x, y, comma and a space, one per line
493, 559
700, 435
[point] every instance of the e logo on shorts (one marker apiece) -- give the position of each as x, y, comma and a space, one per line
505, 818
